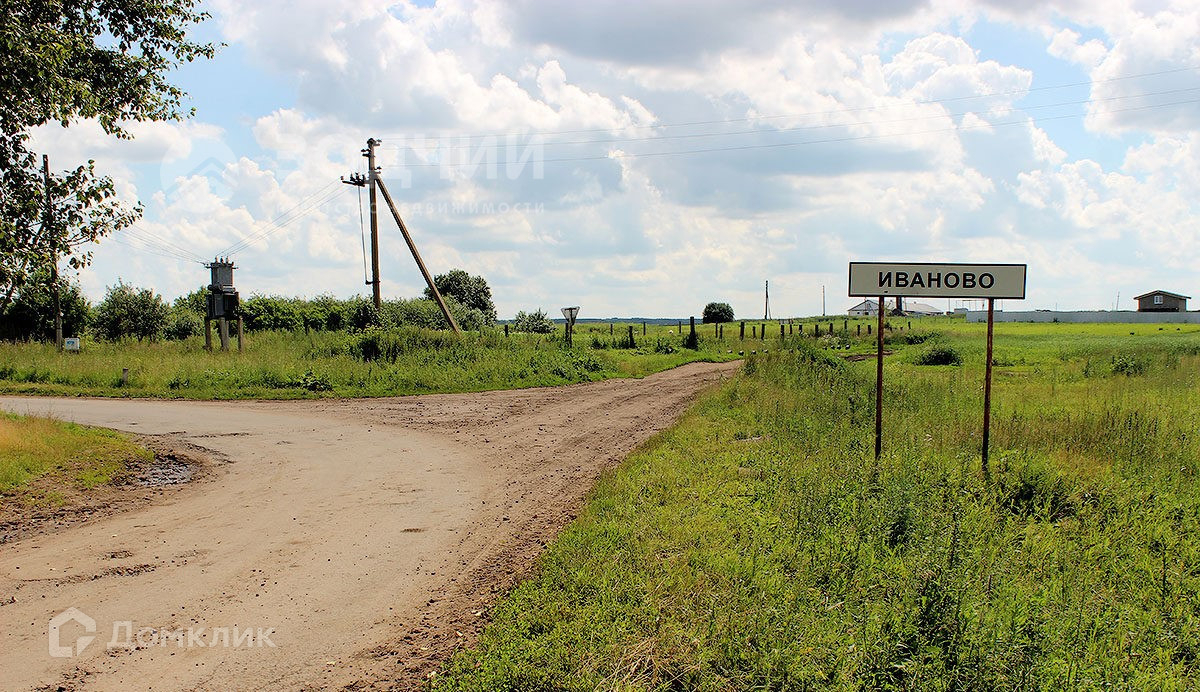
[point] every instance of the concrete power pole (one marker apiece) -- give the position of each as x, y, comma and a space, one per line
767, 300
48, 229
373, 178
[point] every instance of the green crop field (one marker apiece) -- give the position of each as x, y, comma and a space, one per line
757, 545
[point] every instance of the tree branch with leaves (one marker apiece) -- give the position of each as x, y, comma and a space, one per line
66, 60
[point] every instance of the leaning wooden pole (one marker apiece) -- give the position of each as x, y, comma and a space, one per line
387, 197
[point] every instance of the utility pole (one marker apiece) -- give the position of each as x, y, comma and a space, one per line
767, 300
822, 300
437, 295
48, 230
373, 177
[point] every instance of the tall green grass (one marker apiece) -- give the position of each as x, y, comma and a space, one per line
278, 365
757, 545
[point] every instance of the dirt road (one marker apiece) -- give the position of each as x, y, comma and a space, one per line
356, 541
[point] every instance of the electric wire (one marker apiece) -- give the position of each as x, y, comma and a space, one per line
362, 234
278, 221
821, 126
808, 142
723, 121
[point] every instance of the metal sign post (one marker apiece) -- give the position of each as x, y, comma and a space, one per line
569, 315
934, 280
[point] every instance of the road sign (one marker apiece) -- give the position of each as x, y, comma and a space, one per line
932, 280
569, 328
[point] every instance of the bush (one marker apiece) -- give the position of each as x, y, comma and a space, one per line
130, 312
182, 323
261, 312
718, 312
31, 314
939, 355
533, 322
1129, 365
472, 292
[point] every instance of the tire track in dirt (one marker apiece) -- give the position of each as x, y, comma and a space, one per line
370, 534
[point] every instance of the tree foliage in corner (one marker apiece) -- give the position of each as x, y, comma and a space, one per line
77, 59
471, 291
718, 312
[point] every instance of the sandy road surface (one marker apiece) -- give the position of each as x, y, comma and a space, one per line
363, 536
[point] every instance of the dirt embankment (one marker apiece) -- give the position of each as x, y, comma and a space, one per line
365, 538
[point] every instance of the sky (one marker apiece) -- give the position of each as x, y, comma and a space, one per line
647, 158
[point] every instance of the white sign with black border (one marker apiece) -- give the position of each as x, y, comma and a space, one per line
937, 280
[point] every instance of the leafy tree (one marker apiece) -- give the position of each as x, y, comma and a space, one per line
471, 291
127, 311
66, 60
196, 301
534, 322
30, 315
718, 312
272, 312
183, 323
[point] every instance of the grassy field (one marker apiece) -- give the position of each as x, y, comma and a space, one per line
281, 365
40, 458
757, 546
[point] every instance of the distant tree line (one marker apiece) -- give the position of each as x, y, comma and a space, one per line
129, 312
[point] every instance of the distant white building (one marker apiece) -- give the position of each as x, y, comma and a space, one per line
920, 309
867, 308
870, 308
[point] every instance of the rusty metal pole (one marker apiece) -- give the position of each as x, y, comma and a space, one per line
879, 383
987, 388
437, 296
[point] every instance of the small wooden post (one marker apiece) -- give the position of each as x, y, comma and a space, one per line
753, 332
643, 330
987, 388
868, 330
858, 329
879, 384
506, 330
763, 332
721, 332
610, 328
781, 332
910, 324
631, 344
239, 333
742, 335
845, 325
124, 376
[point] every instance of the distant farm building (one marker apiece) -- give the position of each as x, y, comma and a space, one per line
920, 309
1161, 301
870, 308
867, 308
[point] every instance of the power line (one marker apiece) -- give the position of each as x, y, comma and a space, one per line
1010, 92
277, 223
807, 142
821, 126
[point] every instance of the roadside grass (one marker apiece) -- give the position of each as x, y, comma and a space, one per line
756, 545
283, 365
40, 456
